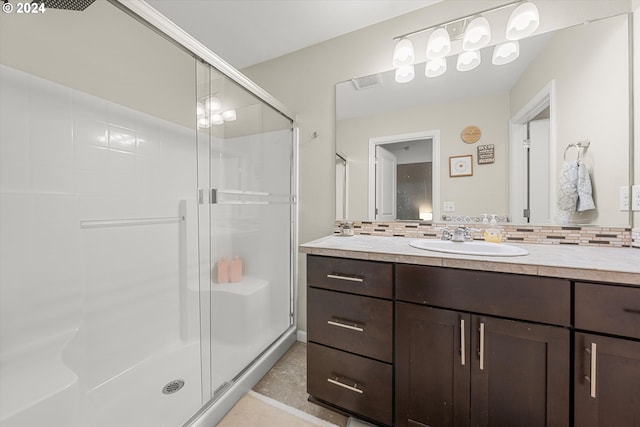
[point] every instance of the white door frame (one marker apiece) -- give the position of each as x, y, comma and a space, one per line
517, 185
434, 136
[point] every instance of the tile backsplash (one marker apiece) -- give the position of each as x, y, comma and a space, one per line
547, 234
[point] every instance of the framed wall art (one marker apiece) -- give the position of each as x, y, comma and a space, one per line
461, 165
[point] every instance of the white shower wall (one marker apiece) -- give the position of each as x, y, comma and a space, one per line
81, 304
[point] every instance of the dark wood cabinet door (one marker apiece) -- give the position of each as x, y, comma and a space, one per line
612, 398
520, 374
432, 367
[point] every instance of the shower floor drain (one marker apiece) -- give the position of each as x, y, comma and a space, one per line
173, 387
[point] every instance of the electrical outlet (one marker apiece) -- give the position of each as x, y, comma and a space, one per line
635, 197
624, 198
449, 206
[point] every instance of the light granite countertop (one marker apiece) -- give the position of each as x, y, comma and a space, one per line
613, 265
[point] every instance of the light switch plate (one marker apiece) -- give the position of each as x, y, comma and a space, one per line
449, 206
635, 197
624, 198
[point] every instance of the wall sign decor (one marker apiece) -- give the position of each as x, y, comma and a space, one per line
461, 165
471, 134
486, 154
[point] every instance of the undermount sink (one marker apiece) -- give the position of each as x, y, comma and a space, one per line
469, 248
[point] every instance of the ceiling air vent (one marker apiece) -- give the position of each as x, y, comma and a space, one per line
365, 82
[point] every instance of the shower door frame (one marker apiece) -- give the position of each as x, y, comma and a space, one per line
217, 406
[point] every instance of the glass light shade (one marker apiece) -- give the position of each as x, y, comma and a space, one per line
405, 73
468, 60
203, 122
213, 104
216, 119
477, 35
200, 109
439, 44
505, 52
523, 21
435, 67
229, 115
403, 54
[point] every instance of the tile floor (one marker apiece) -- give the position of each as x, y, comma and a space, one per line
286, 382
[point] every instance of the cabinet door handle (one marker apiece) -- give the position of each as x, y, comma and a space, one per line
350, 279
352, 388
462, 349
592, 380
353, 327
481, 346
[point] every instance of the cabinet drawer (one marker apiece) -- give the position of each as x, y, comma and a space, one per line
357, 384
353, 323
538, 299
609, 309
349, 275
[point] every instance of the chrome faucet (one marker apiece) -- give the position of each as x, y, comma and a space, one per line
461, 234
446, 234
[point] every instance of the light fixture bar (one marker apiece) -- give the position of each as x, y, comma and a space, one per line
422, 30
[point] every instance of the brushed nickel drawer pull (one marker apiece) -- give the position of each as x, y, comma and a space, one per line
592, 381
348, 387
481, 346
350, 279
344, 325
462, 349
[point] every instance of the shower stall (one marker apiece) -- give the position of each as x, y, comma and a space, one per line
147, 223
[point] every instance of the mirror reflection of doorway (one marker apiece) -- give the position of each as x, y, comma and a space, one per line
404, 180
341, 187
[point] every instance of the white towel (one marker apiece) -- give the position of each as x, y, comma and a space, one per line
585, 198
568, 187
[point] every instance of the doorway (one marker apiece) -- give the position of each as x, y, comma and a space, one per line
404, 177
533, 160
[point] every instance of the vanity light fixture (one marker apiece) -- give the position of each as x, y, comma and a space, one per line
505, 52
212, 104
469, 60
523, 21
403, 54
475, 32
229, 115
405, 74
435, 67
439, 44
216, 119
477, 35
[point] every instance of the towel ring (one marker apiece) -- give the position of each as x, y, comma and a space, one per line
576, 146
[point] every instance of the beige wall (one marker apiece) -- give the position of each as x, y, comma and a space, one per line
304, 81
592, 99
471, 194
117, 58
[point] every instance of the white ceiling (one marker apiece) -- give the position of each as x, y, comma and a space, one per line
247, 32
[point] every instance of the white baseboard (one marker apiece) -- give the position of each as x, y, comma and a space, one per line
302, 336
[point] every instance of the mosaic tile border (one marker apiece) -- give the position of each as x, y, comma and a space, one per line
617, 237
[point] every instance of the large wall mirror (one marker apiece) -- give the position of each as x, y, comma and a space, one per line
566, 97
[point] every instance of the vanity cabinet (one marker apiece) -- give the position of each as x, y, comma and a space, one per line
607, 368
457, 366
350, 336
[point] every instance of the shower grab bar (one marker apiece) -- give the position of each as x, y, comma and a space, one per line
104, 223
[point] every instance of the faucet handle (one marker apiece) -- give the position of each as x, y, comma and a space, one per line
446, 234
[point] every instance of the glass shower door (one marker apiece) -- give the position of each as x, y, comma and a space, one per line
246, 178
